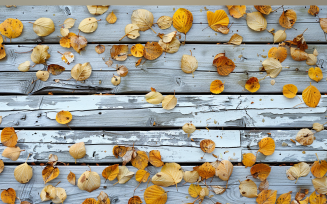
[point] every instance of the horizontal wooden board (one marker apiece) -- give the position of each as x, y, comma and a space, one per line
247, 58
113, 32
30, 191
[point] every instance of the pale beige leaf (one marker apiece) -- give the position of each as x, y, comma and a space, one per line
272, 66
111, 18
154, 97
236, 39
256, 21
43, 27
88, 25
25, 66
191, 176
77, 151
81, 72
42, 75
69, 23
64, 31
132, 31
97, 9
169, 102
124, 174
89, 181
318, 127
12, 153
320, 184
189, 64
279, 36
60, 196
40, 54
171, 47
164, 22
142, 18
48, 193
23, 173
218, 189
248, 188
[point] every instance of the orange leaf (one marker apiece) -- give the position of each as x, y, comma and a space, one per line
279, 53
119, 151
249, 159
119, 52
216, 87
260, 171
55, 69
2, 51
224, 65
49, 173
319, 168
206, 170
311, 96
264, 9
267, 197
314, 10
71, 178
267, 146
111, 172
64, 117
9, 137
135, 200
289, 90
65, 41
288, 18
141, 160
152, 50
237, 11
252, 84
155, 158
207, 146
89, 201
8, 196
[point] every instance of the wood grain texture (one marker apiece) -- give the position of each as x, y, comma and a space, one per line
30, 191
113, 32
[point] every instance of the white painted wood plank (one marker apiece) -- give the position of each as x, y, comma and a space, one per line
119, 102
113, 32
30, 191
247, 57
103, 153
154, 138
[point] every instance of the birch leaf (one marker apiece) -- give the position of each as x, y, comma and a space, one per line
97, 9
155, 158
25, 66
256, 21
124, 175
89, 181
191, 176
2, 166
69, 23
236, 39
182, 20
111, 18
170, 174
23, 173
216, 87
315, 74
252, 84
152, 50
155, 195
142, 18
42, 75
272, 66
285, 198
320, 185
71, 178
12, 153
55, 69
301, 169
49, 173
137, 50
289, 90
248, 188
323, 24
111, 172
11, 28
264, 9
78, 42
88, 25
288, 18
278, 53
9, 137
267, 146
311, 96
40, 54
154, 97
164, 22
236, 11
169, 102
119, 52
64, 32
267, 196
279, 36
8, 196
189, 64
48, 193
60, 195
77, 151
43, 27
81, 72
64, 117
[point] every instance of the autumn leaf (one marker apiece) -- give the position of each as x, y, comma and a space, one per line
252, 84
40, 54
81, 72
164, 22
124, 175
313, 10
55, 69
89, 181
169, 102
216, 87
78, 42
155, 195
311, 96
43, 27
140, 161
9, 137
11, 28
182, 20
317, 199
152, 50
256, 21
88, 25
77, 151
111, 18
264, 9
272, 66
71, 178
260, 171
189, 64
266, 146
194, 190
42, 75
279, 36
319, 168
12, 153
188, 128
61, 195
298, 55
48, 193
191, 176
2, 166
170, 174
236, 11
89, 201
64, 117
224, 170
236, 39
207, 146
66, 41
305, 137
111, 172
267, 196
8, 195
23, 173
49, 173
224, 65
248, 188
289, 90
217, 20
119, 151
119, 52
249, 159
67, 57
206, 170
315, 74
64, 32
288, 18
301, 169
69, 22
135, 200
137, 50
100, 49
284, 198
323, 24
320, 185
278, 53
97, 9
143, 19
142, 176
131, 31
170, 47
154, 97
2, 51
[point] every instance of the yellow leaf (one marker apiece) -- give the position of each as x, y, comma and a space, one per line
267, 146
170, 174
8, 196
272, 66
194, 190
323, 24
278, 53
49, 173
9, 137
141, 160
43, 27
11, 28
89, 181
155, 195
236, 39
64, 117
189, 64
317, 199
88, 25
69, 23
124, 175
77, 151
216, 87
236, 11
315, 74
256, 21
206, 170
314, 10
207, 145
183, 20
249, 159
111, 172
154, 97
81, 72
285, 198
264, 9
89, 201
252, 84
301, 169
311, 96
65, 41
289, 90
137, 50
191, 176
217, 19
48, 193
2, 51
42, 75
135, 200
169, 102
142, 176
224, 170
111, 18
12, 153
260, 171
267, 197
288, 18
40, 54
164, 22
23, 173
155, 158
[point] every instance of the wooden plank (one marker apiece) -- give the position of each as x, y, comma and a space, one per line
30, 191
113, 32
118, 102
247, 58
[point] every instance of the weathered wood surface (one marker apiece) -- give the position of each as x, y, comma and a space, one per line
30, 191
107, 33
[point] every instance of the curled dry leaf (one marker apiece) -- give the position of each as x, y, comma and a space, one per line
11, 28
279, 36
315, 74
71, 178
285, 198
224, 170
252, 84
43, 27
164, 22
155, 195
236, 11
249, 159
60, 195
236, 39
69, 23
142, 176
298, 55
122, 71
256, 21
318, 127
288, 18
260, 171
312, 59
88, 25
155, 158
103, 198
2, 166
135, 200
320, 185
119, 52
170, 174
191, 176
267, 196
124, 175
272, 66
111, 172
81, 72
8, 196
64, 117
169, 102
224, 65
64, 32
49, 173
278, 53
143, 19
55, 69
48, 193
167, 38
12, 153
301, 169
40, 54
248, 188
171, 47
100, 49
216, 87
23, 173
97, 9
154, 97
115, 80
266, 146
152, 50
189, 64
111, 18
218, 190
78, 42
305, 137
89, 181
218, 20
264, 9
140, 161
25, 66
9, 137
207, 145
67, 57
289, 90
66, 41
137, 50
188, 128
313, 10
311, 96
42, 75
264, 185
77, 151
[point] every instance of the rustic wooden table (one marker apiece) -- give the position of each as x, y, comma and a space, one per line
236, 119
